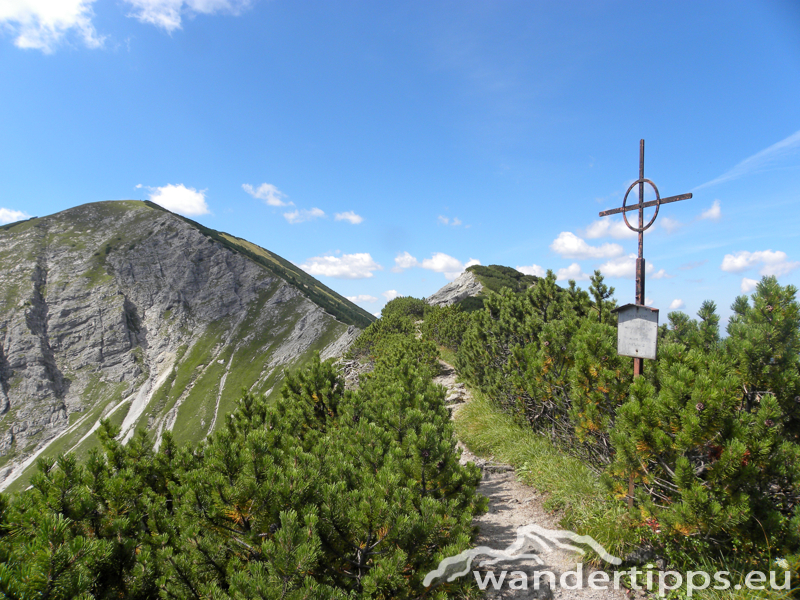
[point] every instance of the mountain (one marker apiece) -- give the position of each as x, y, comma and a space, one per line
124, 310
469, 288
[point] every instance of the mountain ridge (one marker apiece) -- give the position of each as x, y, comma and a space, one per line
124, 310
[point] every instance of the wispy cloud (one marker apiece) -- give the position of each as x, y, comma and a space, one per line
759, 161
302, 215
390, 294
349, 216
167, 14
693, 265
454, 222
267, 192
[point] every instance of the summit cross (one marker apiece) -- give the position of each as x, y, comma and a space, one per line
640, 263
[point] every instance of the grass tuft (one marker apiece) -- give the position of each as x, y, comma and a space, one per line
572, 488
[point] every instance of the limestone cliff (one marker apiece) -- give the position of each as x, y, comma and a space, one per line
464, 286
123, 310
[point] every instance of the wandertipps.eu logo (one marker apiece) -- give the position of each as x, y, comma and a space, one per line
536, 559
532, 545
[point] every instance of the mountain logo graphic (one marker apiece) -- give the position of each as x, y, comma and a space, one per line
528, 536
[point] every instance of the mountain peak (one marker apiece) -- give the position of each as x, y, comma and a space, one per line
124, 310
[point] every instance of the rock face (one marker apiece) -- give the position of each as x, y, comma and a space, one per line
465, 285
122, 310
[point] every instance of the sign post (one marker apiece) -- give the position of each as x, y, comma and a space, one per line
637, 328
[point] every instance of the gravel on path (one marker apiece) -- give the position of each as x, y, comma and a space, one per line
513, 505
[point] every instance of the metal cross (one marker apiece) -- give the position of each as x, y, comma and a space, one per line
638, 363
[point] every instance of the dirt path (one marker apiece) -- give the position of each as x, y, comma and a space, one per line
514, 505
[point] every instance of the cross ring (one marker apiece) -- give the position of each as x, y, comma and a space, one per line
641, 208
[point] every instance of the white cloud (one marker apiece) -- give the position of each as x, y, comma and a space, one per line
268, 193
533, 270
362, 298
43, 24
648, 301
404, 261
390, 295
609, 227
349, 216
8, 215
472, 262
347, 266
660, 274
571, 272
443, 263
179, 199
299, 216
439, 262
676, 304
454, 222
625, 266
759, 161
748, 285
772, 263
167, 14
569, 245
713, 213
670, 225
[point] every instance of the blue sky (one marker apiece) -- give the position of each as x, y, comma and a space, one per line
383, 146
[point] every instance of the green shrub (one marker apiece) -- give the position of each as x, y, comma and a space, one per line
324, 494
445, 325
391, 324
496, 277
406, 306
709, 434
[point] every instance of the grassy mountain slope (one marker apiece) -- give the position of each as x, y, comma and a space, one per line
126, 311
494, 278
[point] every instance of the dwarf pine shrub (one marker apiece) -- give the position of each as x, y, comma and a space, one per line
710, 433
325, 493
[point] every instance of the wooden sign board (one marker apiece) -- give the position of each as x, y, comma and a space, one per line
637, 331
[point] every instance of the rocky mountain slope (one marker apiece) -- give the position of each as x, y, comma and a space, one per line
469, 288
126, 311
465, 285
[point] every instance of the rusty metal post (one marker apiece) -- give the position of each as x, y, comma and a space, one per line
638, 363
